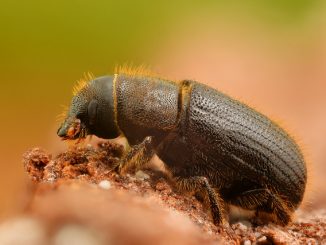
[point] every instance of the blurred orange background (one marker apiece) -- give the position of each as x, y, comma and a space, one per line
270, 54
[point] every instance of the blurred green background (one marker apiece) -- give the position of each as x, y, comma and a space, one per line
271, 53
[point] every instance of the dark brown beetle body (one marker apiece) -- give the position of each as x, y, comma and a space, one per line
211, 143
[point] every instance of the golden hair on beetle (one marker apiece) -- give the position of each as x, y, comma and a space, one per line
62, 116
134, 71
82, 83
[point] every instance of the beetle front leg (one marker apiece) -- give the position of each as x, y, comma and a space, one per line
199, 183
137, 156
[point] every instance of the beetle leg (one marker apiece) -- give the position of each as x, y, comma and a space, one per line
277, 207
264, 200
137, 156
250, 199
199, 183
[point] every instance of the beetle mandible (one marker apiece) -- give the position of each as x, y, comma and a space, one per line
211, 144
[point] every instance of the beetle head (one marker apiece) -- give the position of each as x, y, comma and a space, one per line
75, 124
91, 112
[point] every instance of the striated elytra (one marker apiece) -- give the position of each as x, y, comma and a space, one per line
213, 145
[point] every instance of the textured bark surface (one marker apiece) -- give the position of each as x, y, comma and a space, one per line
75, 197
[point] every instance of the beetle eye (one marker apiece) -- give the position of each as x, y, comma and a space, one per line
92, 111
